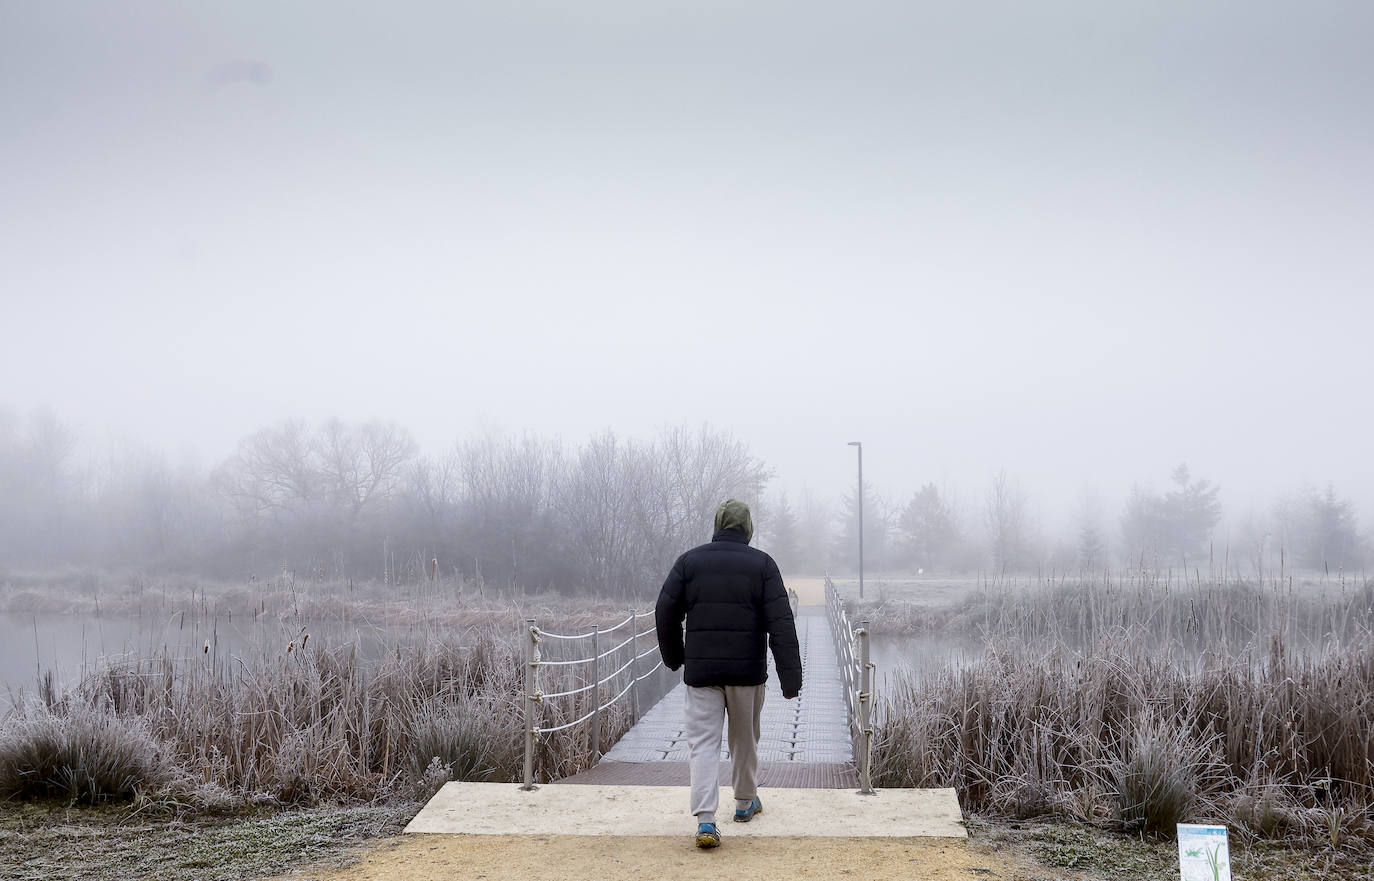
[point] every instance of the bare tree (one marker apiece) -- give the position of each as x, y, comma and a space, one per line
36, 485
304, 495
1008, 524
594, 500
507, 522
688, 474
360, 466
816, 523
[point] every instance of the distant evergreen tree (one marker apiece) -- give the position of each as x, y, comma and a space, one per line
876, 530
1330, 537
1175, 528
782, 536
1008, 523
1092, 550
928, 529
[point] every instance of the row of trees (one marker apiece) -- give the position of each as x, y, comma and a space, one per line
934, 531
360, 500
343, 500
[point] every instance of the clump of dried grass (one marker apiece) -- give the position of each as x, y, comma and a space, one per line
80, 753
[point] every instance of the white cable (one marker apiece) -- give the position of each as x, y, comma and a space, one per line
539, 696
563, 636
617, 673
570, 724
616, 649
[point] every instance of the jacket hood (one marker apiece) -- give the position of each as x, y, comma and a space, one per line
734, 514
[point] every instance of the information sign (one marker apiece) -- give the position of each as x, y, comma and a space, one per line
1203, 854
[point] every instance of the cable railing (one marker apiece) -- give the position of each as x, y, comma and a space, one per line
590, 665
856, 674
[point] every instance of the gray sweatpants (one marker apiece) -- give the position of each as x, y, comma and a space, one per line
707, 709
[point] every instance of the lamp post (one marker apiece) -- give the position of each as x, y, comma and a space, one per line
860, 445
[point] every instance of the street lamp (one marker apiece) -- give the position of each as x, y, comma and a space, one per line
861, 515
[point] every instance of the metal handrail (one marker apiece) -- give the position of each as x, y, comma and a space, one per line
856, 672
533, 661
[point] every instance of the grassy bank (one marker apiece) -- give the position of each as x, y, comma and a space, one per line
442, 604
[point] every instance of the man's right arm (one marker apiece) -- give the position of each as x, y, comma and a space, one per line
668, 614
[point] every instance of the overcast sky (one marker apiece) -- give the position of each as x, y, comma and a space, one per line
1083, 241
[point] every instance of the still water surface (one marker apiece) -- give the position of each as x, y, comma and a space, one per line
73, 645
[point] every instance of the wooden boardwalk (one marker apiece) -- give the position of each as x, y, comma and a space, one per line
805, 742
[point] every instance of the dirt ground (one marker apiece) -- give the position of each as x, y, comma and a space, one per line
676, 858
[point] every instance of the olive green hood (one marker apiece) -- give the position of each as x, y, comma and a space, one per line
734, 514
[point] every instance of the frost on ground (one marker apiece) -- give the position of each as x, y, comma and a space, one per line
54, 843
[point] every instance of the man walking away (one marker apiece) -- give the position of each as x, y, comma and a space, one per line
736, 607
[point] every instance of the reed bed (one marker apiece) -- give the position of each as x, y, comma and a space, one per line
297, 722
1137, 707
1206, 616
441, 603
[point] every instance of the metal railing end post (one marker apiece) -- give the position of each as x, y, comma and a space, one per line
596, 693
531, 642
634, 668
865, 712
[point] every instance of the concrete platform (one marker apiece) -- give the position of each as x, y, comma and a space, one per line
504, 809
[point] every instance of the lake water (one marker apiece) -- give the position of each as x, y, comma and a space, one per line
921, 655
71, 645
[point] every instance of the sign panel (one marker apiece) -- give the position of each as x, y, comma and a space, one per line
1203, 853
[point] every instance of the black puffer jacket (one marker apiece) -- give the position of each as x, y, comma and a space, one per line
736, 607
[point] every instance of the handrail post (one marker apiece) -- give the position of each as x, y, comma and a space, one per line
596, 693
531, 687
634, 667
865, 713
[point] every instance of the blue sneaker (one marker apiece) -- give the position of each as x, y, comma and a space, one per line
707, 836
755, 807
